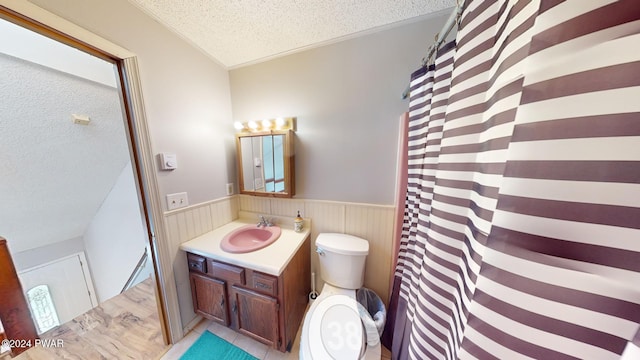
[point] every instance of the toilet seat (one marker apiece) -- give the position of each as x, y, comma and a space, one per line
332, 328
336, 324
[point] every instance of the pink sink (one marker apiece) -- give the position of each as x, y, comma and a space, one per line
249, 238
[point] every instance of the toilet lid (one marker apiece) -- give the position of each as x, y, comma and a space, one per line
335, 329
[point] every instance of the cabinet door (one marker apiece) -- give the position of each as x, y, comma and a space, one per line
209, 298
257, 315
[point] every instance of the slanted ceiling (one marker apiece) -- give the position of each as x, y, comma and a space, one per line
240, 32
55, 174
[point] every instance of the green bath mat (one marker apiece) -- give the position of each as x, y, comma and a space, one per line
209, 347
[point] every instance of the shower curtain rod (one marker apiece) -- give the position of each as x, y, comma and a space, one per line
440, 37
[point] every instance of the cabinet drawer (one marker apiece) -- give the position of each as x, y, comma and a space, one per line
230, 273
264, 283
197, 263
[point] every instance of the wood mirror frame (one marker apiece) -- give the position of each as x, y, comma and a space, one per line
248, 162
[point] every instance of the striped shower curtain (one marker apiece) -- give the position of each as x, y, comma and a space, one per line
521, 234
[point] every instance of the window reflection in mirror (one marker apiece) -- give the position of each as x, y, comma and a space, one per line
266, 163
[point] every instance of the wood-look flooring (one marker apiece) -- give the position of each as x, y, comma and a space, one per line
127, 327
124, 327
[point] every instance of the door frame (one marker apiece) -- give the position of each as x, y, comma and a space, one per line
37, 19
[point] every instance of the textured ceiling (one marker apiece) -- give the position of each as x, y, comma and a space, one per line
237, 32
55, 174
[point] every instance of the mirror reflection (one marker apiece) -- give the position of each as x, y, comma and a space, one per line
265, 164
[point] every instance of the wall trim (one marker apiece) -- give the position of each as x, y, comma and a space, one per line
193, 323
147, 182
239, 196
347, 203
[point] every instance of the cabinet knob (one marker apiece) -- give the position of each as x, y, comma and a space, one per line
263, 286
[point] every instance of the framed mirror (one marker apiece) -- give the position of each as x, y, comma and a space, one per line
266, 163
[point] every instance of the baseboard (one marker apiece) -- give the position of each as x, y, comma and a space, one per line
192, 324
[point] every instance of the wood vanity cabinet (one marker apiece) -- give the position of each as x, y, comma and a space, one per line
209, 297
264, 307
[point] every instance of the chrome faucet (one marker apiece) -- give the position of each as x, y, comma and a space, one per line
264, 222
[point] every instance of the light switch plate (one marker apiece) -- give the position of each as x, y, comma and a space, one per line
177, 200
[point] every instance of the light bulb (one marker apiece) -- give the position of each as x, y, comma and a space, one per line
238, 125
266, 123
280, 122
253, 125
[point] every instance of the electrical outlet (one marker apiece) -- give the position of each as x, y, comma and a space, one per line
177, 200
230, 189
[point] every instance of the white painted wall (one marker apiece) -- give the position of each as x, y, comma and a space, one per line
347, 98
116, 238
31, 258
186, 94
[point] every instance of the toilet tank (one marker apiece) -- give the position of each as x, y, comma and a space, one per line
342, 259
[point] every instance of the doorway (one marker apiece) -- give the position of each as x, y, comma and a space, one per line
132, 170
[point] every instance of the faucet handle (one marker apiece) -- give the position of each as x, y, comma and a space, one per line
264, 221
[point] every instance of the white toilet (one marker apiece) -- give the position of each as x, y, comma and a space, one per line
333, 328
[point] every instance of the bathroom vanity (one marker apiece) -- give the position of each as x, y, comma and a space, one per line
262, 294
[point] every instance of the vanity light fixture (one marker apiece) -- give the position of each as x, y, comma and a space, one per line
281, 123
238, 125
